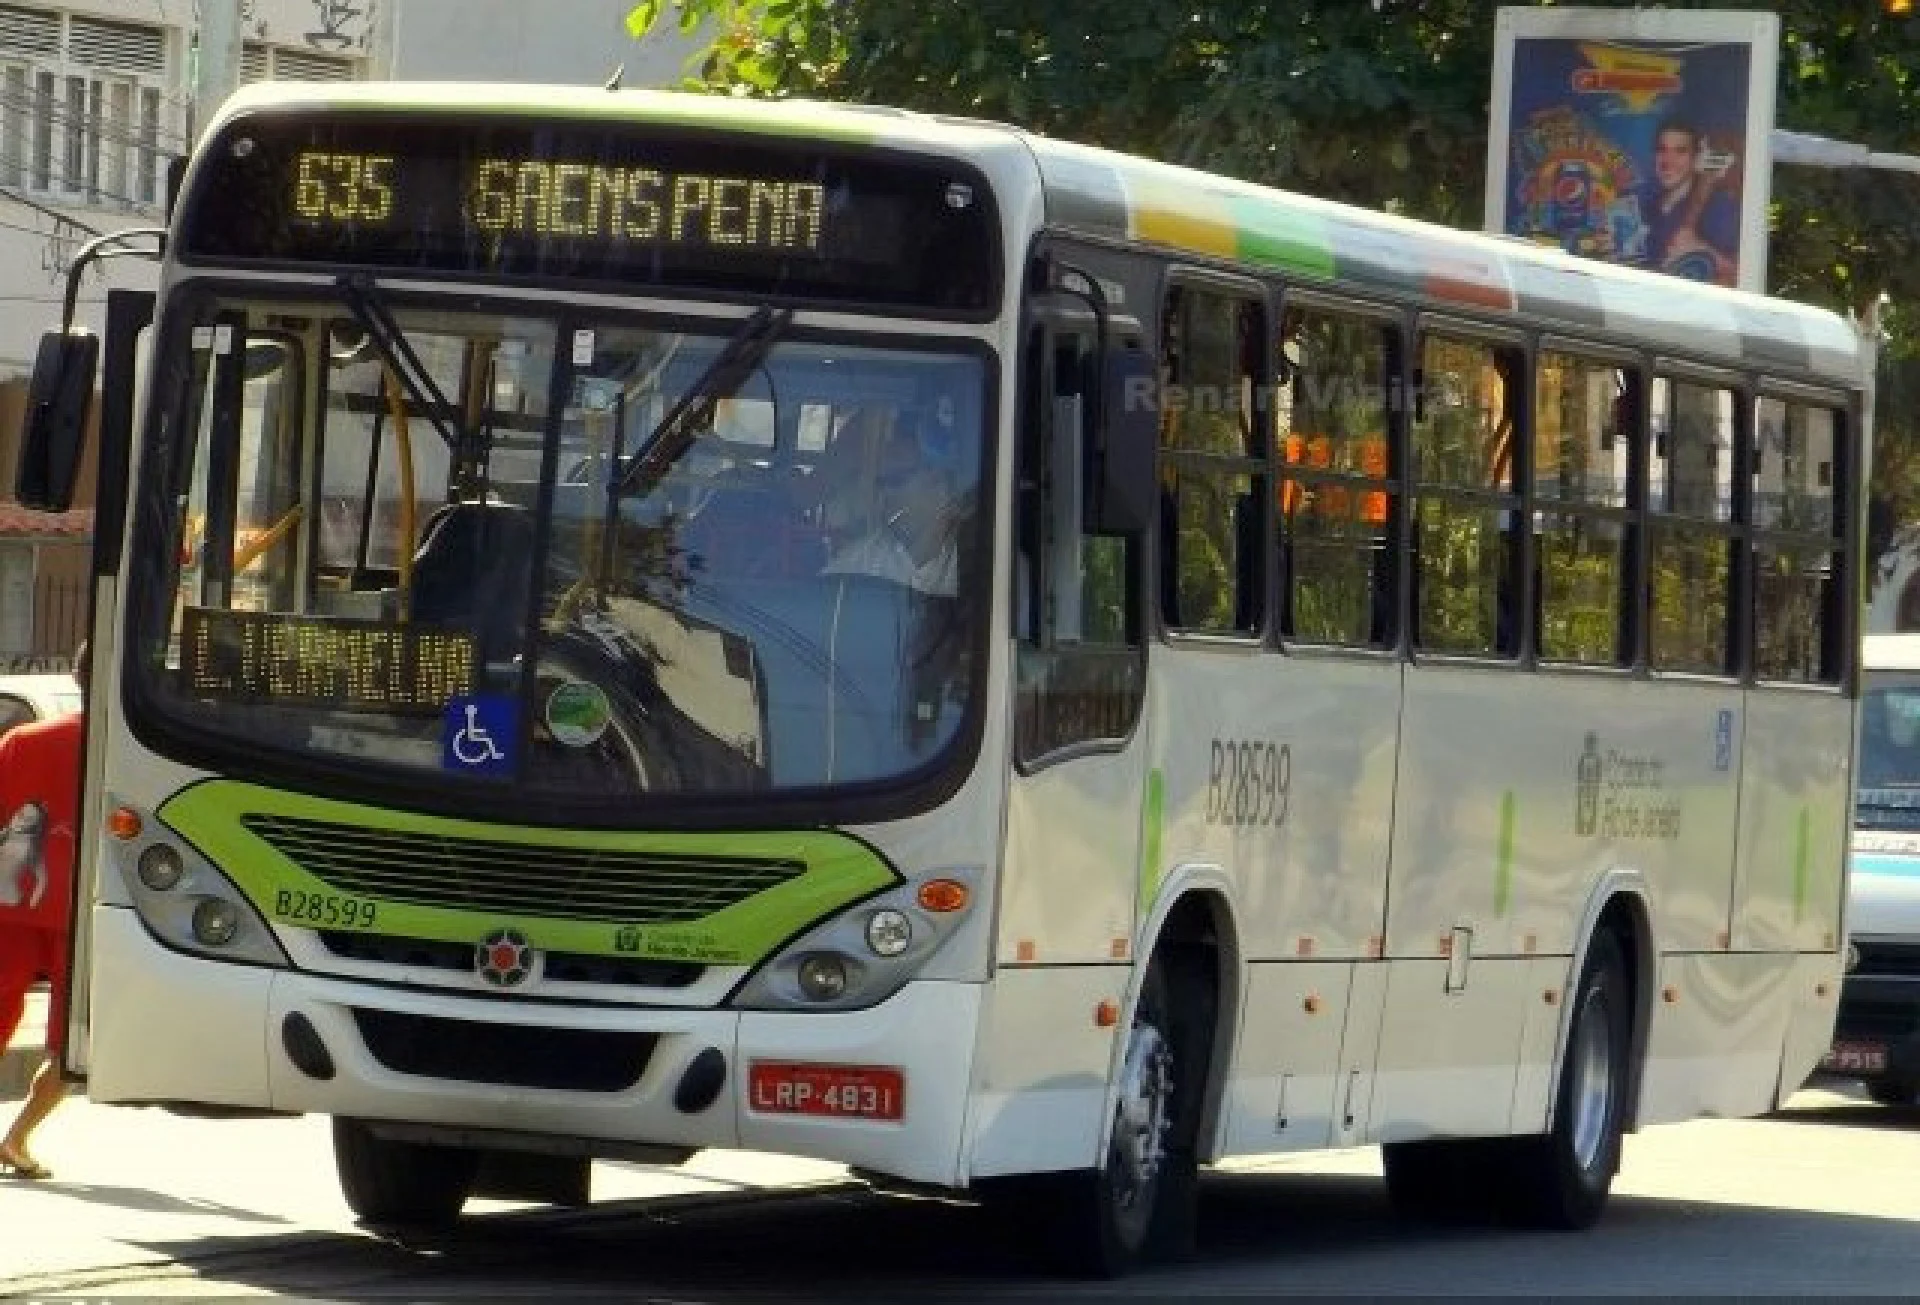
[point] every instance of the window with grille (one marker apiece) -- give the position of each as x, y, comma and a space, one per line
83, 111
260, 62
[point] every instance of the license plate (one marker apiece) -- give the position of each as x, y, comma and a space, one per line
1855, 1058
838, 1091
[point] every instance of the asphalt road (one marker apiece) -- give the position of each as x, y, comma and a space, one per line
1817, 1200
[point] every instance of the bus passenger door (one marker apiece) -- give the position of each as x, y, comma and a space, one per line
124, 349
1078, 792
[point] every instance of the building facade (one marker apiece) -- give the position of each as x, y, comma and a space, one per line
98, 97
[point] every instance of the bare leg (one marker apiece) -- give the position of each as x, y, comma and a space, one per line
46, 1092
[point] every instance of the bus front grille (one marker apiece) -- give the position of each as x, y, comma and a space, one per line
562, 967
511, 1055
472, 874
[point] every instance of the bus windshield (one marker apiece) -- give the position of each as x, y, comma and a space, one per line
1889, 795
503, 549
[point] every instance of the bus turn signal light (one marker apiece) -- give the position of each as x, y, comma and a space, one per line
943, 896
124, 824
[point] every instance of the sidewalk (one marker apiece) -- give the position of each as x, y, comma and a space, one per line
20, 1060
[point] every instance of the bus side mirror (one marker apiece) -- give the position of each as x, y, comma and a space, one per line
1122, 484
55, 433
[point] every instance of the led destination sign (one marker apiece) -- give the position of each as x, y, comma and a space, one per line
612, 201
565, 200
280, 660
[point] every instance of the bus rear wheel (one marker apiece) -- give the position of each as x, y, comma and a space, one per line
401, 1184
1561, 1178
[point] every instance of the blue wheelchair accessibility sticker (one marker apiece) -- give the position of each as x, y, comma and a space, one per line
479, 734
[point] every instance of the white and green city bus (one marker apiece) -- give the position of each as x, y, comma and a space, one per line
647, 623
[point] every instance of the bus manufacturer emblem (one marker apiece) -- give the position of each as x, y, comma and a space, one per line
504, 958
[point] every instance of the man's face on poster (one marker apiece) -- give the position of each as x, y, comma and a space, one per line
1673, 158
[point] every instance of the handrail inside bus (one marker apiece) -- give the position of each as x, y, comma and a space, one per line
403, 440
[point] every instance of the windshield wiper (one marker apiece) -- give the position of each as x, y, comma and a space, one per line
669, 441
363, 300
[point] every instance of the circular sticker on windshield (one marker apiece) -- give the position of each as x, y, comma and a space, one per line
578, 713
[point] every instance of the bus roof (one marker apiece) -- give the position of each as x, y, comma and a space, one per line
1106, 194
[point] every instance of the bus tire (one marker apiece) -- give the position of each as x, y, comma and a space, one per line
401, 1184
1138, 1205
1438, 1181
1561, 1178
1896, 1092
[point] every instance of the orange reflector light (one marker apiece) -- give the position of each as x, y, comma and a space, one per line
124, 824
1106, 1014
943, 896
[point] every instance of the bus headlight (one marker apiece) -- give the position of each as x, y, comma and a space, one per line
823, 977
865, 954
184, 901
889, 932
160, 867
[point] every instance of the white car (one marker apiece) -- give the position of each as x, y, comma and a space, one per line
25, 698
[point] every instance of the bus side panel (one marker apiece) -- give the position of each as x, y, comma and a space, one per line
1072, 863
161, 1021
1815, 989
1517, 792
1448, 1057
1718, 1028
1040, 1080
1279, 770
1794, 822
1285, 1090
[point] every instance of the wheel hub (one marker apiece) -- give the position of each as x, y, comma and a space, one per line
1141, 1115
1592, 1081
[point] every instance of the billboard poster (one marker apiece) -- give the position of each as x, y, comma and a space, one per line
1636, 136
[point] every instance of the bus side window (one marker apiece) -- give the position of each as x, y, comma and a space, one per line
1213, 474
1337, 497
1467, 417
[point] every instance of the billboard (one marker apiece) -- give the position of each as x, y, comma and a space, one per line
1638, 136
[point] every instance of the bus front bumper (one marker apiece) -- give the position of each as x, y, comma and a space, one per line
173, 1029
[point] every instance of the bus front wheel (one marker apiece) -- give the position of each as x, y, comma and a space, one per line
401, 1184
1139, 1203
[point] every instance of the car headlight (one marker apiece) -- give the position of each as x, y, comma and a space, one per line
866, 953
181, 898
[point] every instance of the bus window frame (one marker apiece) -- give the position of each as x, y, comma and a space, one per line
1265, 633
1633, 613
1849, 485
1736, 529
1518, 497
1396, 319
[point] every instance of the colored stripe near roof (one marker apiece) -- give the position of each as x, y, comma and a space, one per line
1100, 193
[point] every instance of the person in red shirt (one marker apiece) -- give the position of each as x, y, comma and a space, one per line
39, 802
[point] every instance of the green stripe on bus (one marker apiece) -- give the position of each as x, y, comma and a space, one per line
836, 872
1278, 237
1503, 874
1801, 841
1152, 816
